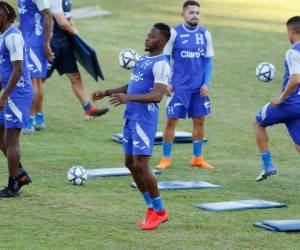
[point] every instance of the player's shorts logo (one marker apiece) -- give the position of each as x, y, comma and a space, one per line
38, 28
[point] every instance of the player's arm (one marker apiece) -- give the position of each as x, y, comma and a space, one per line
168, 50
161, 73
293, 61
99, 94
208, 69
60, 18
44, 7
15, 45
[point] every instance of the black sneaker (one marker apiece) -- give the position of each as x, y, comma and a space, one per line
24, 180
7, 193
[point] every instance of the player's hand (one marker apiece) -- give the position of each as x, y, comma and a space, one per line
276, 101
169, 90
204, 91
3, 101
48, 53
118, 99
98, 94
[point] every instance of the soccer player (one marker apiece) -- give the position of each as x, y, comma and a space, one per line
285, 108
15, 99
64, 61
191, 50
36, 27
146, 87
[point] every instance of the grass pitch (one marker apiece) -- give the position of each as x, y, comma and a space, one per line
52, 214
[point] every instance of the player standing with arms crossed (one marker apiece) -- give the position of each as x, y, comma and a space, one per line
36, 27
146, 87
15, 99
285, 108
191, 50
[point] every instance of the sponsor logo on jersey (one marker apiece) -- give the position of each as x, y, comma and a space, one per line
192, 54
137, 77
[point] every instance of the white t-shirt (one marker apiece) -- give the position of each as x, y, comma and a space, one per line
56, 6
293, 61
15, 45
161, 72
42, 4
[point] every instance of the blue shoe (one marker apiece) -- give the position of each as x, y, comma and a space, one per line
30, 127
39, 122
266, 172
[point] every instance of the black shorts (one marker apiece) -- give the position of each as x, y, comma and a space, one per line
64, 61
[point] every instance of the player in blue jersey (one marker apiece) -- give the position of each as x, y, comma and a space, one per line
65, 61
190, 49
285, 108
15, 99
36, 27
145, 89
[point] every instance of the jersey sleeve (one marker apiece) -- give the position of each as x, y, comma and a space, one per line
293, 61
42, 4
169, 46
56, 6
161, 72
209, 47
15, 45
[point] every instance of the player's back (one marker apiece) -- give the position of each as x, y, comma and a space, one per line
8, 39
31, 22
188, 54
142, 82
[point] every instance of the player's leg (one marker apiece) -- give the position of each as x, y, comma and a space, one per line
294, 131
149, 183
268, 116
128, 131
69, 66
174, 110
11, 139
198, 109
39, 114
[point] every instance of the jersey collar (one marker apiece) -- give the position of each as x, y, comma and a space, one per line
190, 31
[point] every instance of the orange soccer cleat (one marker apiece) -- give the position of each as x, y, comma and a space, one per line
164, 163
199, 162
155, 219
148, 214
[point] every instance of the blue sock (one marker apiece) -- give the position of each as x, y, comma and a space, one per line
147, 199
39, 117
266, 158
87, 106
30, 122
197, 148
167, 149
158, 204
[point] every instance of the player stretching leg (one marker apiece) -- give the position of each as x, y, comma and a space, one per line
191, 50
285, 108
148, 82
15, 100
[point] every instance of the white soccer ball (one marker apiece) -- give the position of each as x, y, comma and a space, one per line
77, 175
128, 58
265, 72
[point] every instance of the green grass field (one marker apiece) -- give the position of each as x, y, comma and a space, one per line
52, 214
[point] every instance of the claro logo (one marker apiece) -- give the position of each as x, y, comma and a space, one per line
192, 54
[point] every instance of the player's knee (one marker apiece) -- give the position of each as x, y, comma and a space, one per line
297, 148
171, 123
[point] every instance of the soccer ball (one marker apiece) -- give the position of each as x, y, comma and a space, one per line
77, 175
265, 72
128, 58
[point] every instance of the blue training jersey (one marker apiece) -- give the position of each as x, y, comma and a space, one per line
292, 65
12, 48
189, 50
31, 23
149, 70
